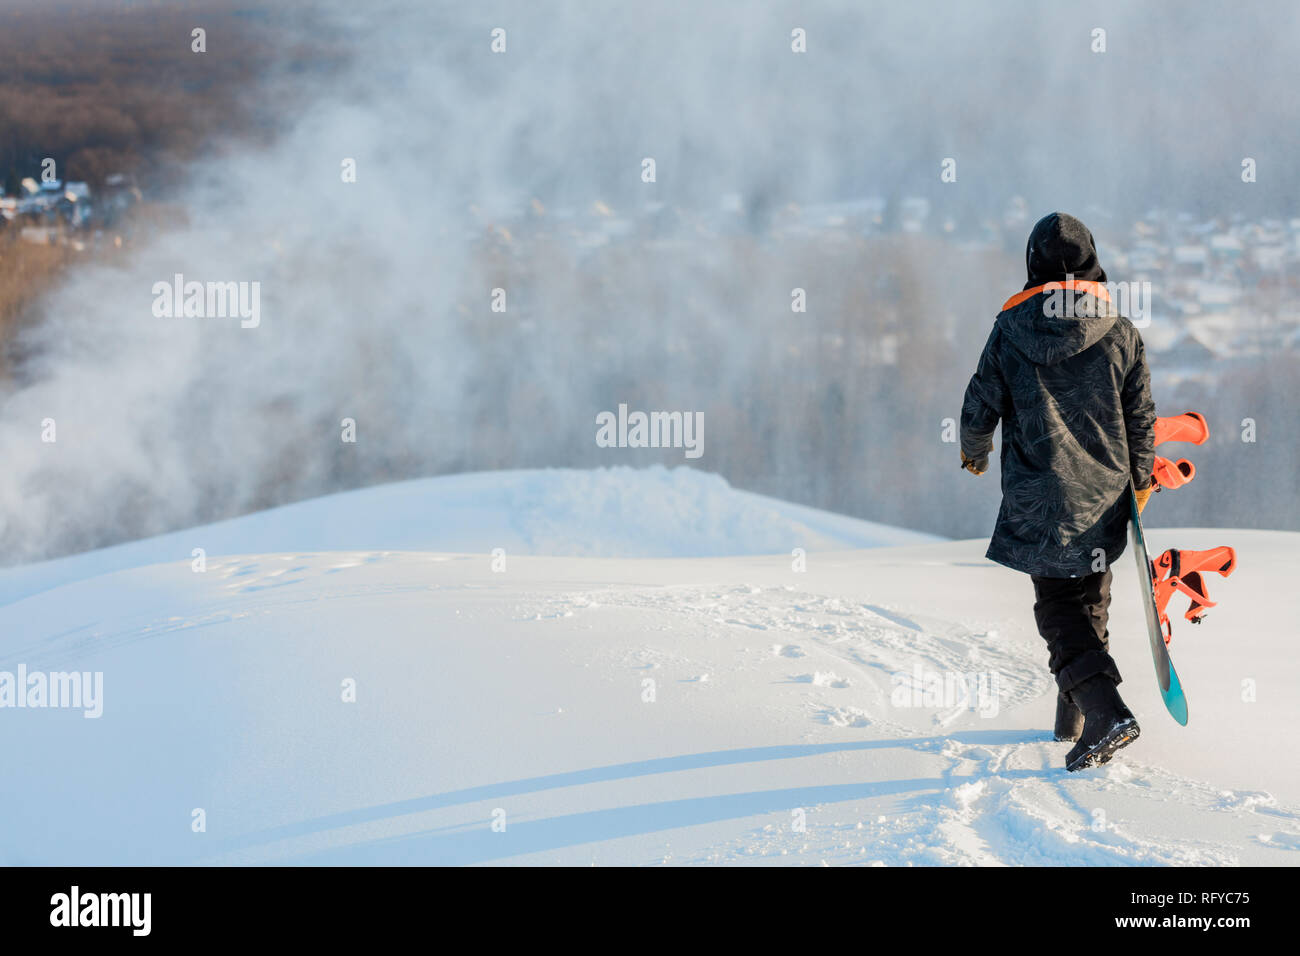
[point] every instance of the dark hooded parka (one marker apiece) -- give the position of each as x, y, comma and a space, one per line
1068, 378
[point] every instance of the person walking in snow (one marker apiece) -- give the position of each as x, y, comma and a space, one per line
1067, 376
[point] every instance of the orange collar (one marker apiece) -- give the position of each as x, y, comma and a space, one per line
1096, 288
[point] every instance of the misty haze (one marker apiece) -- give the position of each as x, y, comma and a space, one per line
775, 171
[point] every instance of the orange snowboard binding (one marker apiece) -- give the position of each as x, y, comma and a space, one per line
1189, 427
1177, 570
1184, 571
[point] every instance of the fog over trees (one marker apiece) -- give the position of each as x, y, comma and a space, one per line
523, 170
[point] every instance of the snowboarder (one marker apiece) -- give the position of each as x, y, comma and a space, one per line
1067, 376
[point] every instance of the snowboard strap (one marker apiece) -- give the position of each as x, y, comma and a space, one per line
1171, 474
1178, 570
1188, 427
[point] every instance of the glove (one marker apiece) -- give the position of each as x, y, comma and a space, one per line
976, 466
1142, 494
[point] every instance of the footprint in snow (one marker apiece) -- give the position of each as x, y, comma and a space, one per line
821, 679
1283, 841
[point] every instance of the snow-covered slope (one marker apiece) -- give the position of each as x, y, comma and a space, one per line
624, 710
605, 512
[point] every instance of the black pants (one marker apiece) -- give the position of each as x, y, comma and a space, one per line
1071, 615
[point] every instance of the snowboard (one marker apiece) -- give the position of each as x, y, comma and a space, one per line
1171, 691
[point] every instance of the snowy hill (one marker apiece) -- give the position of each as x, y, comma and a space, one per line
619, 710
607, 512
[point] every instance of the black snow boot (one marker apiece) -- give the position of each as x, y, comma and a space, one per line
1069, 719
1107, 724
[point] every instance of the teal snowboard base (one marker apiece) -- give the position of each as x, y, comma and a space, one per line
1170, 689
